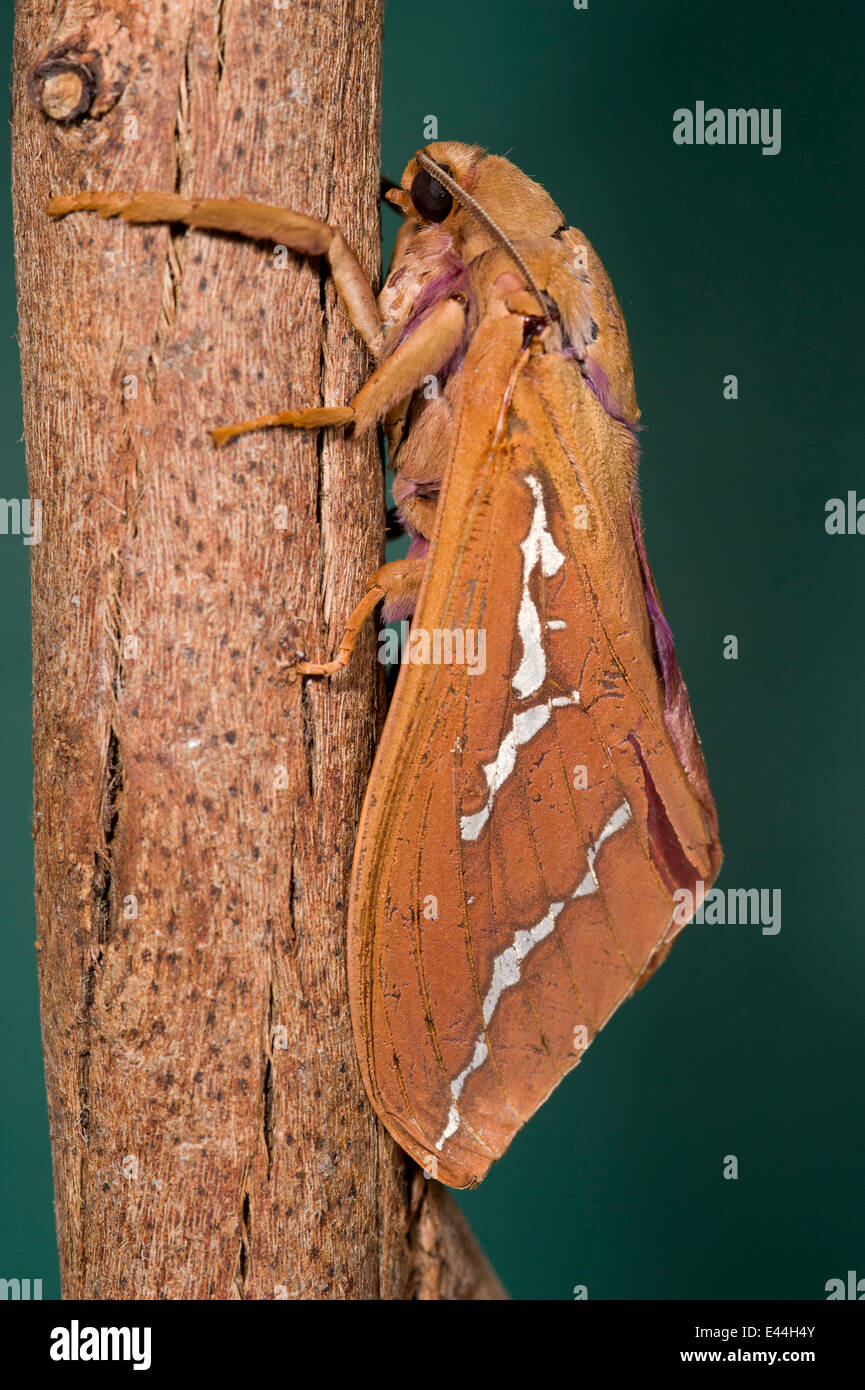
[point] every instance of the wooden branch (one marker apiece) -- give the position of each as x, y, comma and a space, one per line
195, 811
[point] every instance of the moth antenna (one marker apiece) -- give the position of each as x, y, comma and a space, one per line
468, 202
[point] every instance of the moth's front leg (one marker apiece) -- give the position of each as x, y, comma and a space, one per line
259, 221
398, 582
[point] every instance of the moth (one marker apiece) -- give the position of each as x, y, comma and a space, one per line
530, 818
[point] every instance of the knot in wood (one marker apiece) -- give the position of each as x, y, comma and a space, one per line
63, 84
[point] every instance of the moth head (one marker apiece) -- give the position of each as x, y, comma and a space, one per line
481, 200
517, 205
423, 197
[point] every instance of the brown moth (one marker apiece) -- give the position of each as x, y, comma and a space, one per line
530, 816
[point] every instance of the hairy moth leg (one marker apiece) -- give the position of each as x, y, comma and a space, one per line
316, 418
398, 581
260, 222
423, 353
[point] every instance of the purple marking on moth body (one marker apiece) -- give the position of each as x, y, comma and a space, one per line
395, 610
454, 279
419, 548
416, 487
599, 384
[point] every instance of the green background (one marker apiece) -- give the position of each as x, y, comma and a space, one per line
725, 261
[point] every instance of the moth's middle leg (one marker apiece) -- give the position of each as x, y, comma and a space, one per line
423, 353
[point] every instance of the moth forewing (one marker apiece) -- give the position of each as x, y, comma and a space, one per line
406, 901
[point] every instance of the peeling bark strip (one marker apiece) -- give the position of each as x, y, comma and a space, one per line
195, 813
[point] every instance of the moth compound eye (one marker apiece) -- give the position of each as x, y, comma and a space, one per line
431, 200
